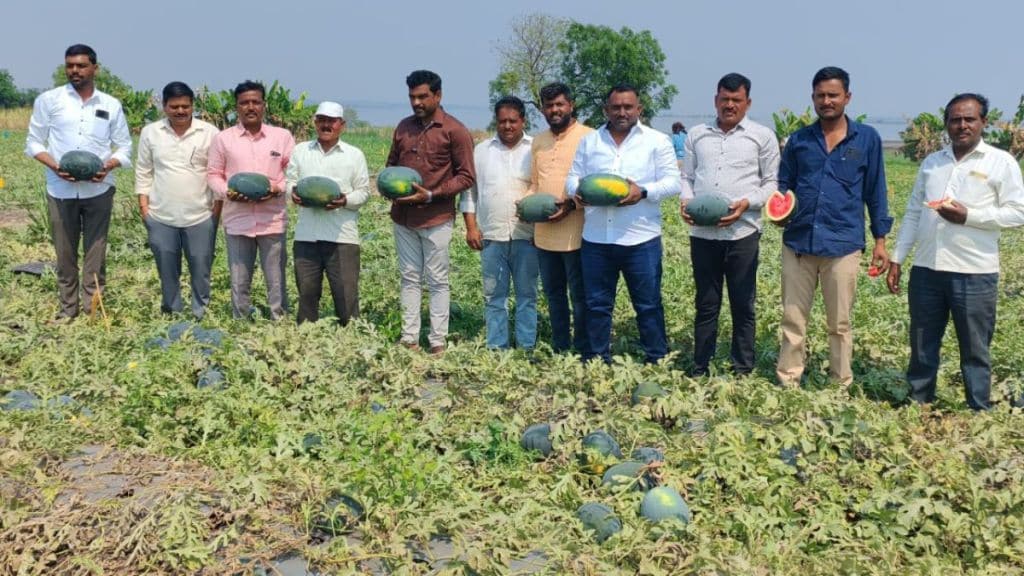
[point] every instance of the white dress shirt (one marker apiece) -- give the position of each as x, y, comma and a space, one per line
645, 156
988, 182
741, 163
61, 122
171, 171
346, 165
502, 179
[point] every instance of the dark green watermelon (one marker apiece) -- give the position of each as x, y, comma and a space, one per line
81, 164
317, 191
537, 437
664, 503
396, 181
536, 207
634, 475
599, 518
707, 209
250, 184
647, 391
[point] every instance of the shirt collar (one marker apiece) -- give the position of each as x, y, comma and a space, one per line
979, 151
743, 124
852, 127
315, 145
72, 93
242, 131
495, 141
637, 129
193, 127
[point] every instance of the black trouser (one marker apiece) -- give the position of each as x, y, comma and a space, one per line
736, 261
340, 263
86, 221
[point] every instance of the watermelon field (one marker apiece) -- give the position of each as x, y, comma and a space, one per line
135, 443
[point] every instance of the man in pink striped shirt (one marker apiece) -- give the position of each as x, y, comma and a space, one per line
253, 226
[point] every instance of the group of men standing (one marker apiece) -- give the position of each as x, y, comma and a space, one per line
834, 167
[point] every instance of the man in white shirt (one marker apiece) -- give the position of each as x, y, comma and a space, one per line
327, 239
77, 116
737, 158
625, 238
507, 253
964, 195
176, 205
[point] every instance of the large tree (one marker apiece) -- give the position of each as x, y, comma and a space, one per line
529, 58
595, 58
11, 96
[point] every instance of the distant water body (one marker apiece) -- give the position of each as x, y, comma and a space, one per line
478, 117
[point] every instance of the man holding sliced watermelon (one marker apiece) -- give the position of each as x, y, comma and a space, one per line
972, 191
736, 159
835, 169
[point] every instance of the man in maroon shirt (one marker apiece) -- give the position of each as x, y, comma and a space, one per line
440, 148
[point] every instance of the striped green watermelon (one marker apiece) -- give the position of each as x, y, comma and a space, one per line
250, 184
603, 189
317, 191
396, 182
536, 207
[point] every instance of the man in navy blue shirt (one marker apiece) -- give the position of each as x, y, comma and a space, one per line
835, 168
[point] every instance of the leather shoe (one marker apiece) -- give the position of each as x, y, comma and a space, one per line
437, 350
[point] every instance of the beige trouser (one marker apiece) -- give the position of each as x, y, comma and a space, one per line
800, 277
423, 258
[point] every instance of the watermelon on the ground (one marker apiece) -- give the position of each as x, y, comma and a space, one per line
81, 164
396, 181
536, 207
338, 515
537, 437
707, 209
599, 518
249, 184
600, 450
664, 503
780, 207
647, 391
603, 189
647, 454
317, 191
632, 474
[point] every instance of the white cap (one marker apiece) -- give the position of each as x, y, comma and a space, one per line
330, 109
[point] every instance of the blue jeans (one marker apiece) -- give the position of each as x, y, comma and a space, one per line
512, 261
971, 300
561, 275
640, 266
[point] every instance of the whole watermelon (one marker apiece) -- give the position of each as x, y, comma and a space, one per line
537, 437
603, 189
599, 518
664, 503
81, 164
317, 191
707, 209
536, 207
396, 181
250, 184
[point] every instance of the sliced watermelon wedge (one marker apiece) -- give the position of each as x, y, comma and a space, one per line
780, 207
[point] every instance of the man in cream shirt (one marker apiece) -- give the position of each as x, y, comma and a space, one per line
506, 246
964, 195
176, 205
327, 239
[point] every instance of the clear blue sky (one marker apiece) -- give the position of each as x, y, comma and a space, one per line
904, 57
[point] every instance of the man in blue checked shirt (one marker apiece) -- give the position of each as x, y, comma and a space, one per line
835, 168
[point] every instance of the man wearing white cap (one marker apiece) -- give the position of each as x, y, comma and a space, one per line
327, 239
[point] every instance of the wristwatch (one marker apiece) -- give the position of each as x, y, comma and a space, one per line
643, 193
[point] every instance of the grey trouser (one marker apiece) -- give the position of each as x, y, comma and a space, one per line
196, 242
241, 263
340, 263
423, 256
70, 220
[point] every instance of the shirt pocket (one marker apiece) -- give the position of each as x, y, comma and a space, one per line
99, 129
848, 170
977, 191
